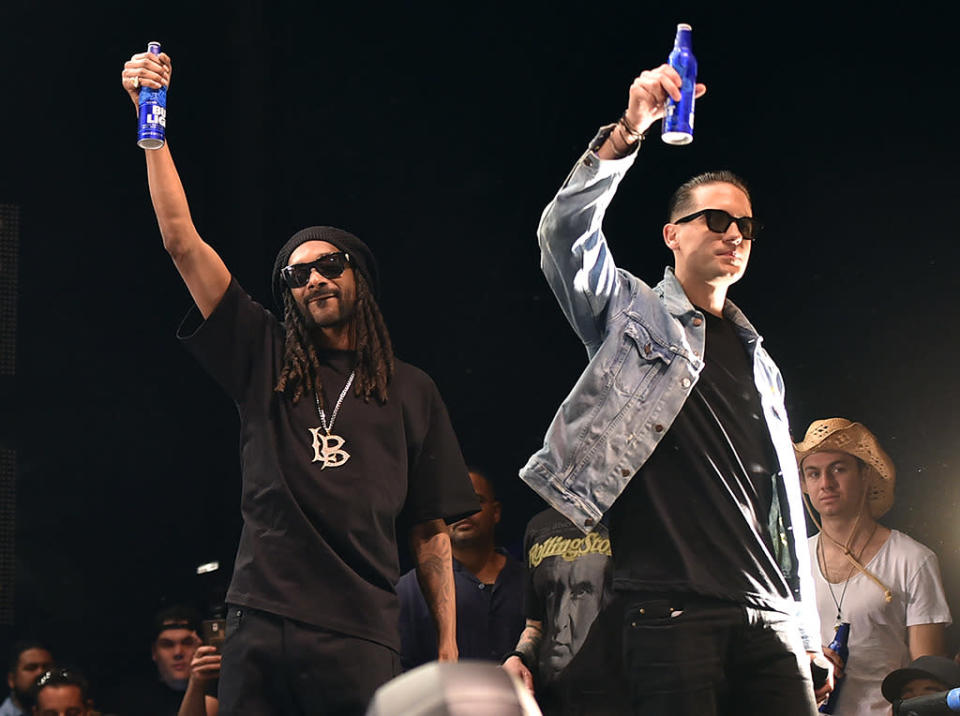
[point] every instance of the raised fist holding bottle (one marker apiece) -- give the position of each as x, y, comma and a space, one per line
646, 103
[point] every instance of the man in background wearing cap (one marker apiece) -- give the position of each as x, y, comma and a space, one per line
175, 641
339, 442
884, 584
923, 677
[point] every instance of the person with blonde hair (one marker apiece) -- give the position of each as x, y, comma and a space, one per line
884, 584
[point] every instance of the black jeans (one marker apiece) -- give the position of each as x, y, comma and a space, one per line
277, 666
687, 655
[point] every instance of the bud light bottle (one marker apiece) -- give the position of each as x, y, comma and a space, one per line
678, 116
839, 645
153, 112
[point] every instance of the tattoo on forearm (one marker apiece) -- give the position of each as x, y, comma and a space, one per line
435, 574
530, 640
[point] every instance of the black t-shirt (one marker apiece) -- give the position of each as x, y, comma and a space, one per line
319, 541
568, 589
694, 518
143, 697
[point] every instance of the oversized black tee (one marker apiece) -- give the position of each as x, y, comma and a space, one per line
319, 541
694, 518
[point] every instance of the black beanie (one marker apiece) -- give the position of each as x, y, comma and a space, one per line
361, 258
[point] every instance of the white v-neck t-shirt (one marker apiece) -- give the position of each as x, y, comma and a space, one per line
878, 631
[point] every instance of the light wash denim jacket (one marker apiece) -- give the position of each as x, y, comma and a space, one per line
644, 347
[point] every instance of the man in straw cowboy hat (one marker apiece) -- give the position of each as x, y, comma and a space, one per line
884, 584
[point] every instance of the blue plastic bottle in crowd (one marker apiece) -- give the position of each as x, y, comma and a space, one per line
153, 112
678, 117
839, 645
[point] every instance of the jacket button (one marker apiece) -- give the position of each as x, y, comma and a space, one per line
698, 321
647, 349
658, 427
624, 472
588, 522
685, 382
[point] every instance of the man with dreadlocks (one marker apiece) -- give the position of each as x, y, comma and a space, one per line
885, 585
340, 442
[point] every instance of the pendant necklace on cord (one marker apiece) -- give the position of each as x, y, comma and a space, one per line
327, 446
823, 556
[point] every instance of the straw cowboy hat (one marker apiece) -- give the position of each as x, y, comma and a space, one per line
840, 435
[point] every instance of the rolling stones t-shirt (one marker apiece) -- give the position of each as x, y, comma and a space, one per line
569, 590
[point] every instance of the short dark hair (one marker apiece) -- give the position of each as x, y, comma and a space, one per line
16, 651
176, 616
60, 676
476, 470
682, 200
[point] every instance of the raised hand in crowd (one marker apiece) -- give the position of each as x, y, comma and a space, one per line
204, 670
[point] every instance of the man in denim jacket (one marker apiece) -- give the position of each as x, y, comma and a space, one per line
675, 439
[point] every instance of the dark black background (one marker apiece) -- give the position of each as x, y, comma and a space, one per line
437, 132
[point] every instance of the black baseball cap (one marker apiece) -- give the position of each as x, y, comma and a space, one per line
940, 668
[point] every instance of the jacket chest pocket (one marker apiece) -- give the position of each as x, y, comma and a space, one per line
641, 362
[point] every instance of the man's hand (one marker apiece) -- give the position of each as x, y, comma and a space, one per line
145, 69
515, 667
645, 105
205, 665
837, 662
649, 93
448, 652
823, 692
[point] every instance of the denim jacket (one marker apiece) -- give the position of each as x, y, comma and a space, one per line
644, 347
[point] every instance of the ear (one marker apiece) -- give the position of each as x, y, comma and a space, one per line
10, 680
496, 512
670, 236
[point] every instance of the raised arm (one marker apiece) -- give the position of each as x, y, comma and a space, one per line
204, 667
575, 257
430, 545
203, 271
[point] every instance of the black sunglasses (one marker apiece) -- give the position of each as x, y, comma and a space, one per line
719, 221
328, 266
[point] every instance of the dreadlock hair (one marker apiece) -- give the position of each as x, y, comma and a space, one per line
375, 362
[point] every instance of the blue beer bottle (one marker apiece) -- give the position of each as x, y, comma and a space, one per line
153, 112
678, 116
839, 645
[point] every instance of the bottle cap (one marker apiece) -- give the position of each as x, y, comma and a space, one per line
684, 26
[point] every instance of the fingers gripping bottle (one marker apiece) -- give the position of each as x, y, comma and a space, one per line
153, 112
678, 116
839, 645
